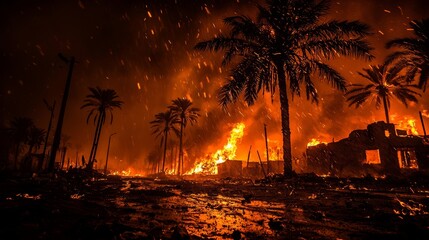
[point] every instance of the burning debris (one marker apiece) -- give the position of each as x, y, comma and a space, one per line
209, 164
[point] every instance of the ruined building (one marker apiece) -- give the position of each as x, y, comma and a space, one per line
378, 150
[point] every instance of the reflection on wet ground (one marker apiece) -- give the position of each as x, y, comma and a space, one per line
216, 210
143, 208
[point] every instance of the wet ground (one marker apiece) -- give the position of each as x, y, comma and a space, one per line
305, 207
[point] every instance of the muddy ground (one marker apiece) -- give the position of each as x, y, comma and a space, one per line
304, 207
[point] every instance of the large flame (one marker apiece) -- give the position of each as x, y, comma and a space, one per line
208, 164
408, 124
314, 142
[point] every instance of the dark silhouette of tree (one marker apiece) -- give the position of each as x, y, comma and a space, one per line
286, 46
415, 53
385, 82
183, 110
163, 124
36, 138
100, 103
19, 131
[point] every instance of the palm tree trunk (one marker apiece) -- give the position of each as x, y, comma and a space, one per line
165, 150
284, 104
57, 136
180, 148
94, 142
386, 109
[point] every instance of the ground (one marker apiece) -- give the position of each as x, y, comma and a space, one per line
303, 207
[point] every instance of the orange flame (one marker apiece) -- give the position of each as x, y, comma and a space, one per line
409, 125
130, 172
314, 142
208, 165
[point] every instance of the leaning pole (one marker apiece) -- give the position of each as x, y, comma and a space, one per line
57, 136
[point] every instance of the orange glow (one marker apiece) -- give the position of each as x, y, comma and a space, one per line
130, 172
314, 142
208, 164
274, 151
408, 124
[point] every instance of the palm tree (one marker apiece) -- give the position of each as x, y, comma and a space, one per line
19, 132
35, 139
286, 46
162, 125
385, 82
100, 103
181, 108
415, 54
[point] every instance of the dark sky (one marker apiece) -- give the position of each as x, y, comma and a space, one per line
123, 44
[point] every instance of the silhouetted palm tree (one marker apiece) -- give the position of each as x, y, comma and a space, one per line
181, 107
19, 130
385, 83
100, 103
162, 125
35, 139
415, 54
286, 46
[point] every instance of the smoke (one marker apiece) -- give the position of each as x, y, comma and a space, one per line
144, 50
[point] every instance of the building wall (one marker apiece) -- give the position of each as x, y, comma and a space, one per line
347, 157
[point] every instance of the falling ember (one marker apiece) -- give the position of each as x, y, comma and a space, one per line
138, 86
208, 165
314, 142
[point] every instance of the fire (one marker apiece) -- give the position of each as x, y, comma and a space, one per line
314, 142
127, 173
409, 125
208, 165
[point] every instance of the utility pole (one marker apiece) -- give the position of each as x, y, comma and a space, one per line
266, 147
51, 109
57, 136
248, 156
107, 156
423, 124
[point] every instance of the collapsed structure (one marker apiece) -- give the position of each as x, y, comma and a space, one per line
378, 150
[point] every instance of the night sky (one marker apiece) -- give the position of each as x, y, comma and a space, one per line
144, 50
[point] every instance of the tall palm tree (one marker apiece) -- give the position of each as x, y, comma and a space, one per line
183, 110
101, 103
415, 53
385, 83
286, 46
19, 132
162, 125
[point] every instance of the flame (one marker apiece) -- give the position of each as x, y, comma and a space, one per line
130, 172
208, 165
274, 152
314, 142
409, 125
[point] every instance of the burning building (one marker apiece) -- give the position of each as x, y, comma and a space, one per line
378, 150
